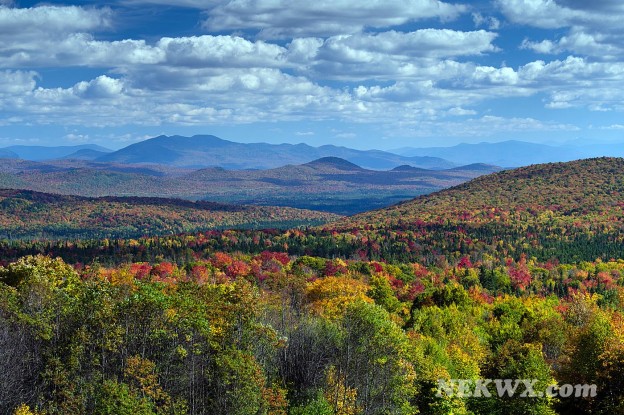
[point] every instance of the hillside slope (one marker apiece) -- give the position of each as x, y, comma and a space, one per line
27, 214
566, 211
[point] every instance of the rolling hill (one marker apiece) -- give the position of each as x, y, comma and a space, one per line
329, 184
210, 151
569, 211
27, 214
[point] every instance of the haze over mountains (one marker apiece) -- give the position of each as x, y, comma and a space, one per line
330, 184
40, 153
211, 151
514, 153
204, 151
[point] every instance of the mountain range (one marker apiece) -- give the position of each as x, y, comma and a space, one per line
41, 153
329, 184
210, 151
514, 153
202, 151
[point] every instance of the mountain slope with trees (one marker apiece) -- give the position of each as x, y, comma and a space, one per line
363, 316
27, 214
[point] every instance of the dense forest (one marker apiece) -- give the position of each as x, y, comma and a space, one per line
26, 215
515, 275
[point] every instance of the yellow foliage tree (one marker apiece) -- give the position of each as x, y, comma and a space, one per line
24, 409
340, 396
331, 295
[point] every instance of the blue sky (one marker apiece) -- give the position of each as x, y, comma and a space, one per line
373, 74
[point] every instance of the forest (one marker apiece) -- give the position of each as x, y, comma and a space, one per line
515, 275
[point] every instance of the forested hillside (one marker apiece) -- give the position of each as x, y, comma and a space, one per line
25, 214
516, 275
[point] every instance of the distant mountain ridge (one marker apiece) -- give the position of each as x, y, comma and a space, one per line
7, 154
510, 153
41, 153
85, 154
211, 151
329, 184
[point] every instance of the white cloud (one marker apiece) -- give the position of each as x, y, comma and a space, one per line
77, 138
299, 18
436, 43
458, 111
100, 87
594, 26
30, 22
17, 82
422, 77
617, 127
422, 54
78, 49
220, 51
491, 22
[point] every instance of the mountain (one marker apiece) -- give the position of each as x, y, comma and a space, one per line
85, 154
507, 153
334, 163
328, 184
570, 211
40, 153
487, 168
7, 154
210, 151
27, 214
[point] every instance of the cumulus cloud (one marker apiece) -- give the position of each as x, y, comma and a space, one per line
100, 87
78, 49
492, 23
414, 78
577, 41
299, 18
437, 43
594, 27
420, 54
220, 51
46, 19
17, 82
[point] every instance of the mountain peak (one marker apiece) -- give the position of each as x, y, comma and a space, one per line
334, 162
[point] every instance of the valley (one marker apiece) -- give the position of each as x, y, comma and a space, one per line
329, 184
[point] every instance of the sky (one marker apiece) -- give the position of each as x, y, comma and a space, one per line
364, 74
